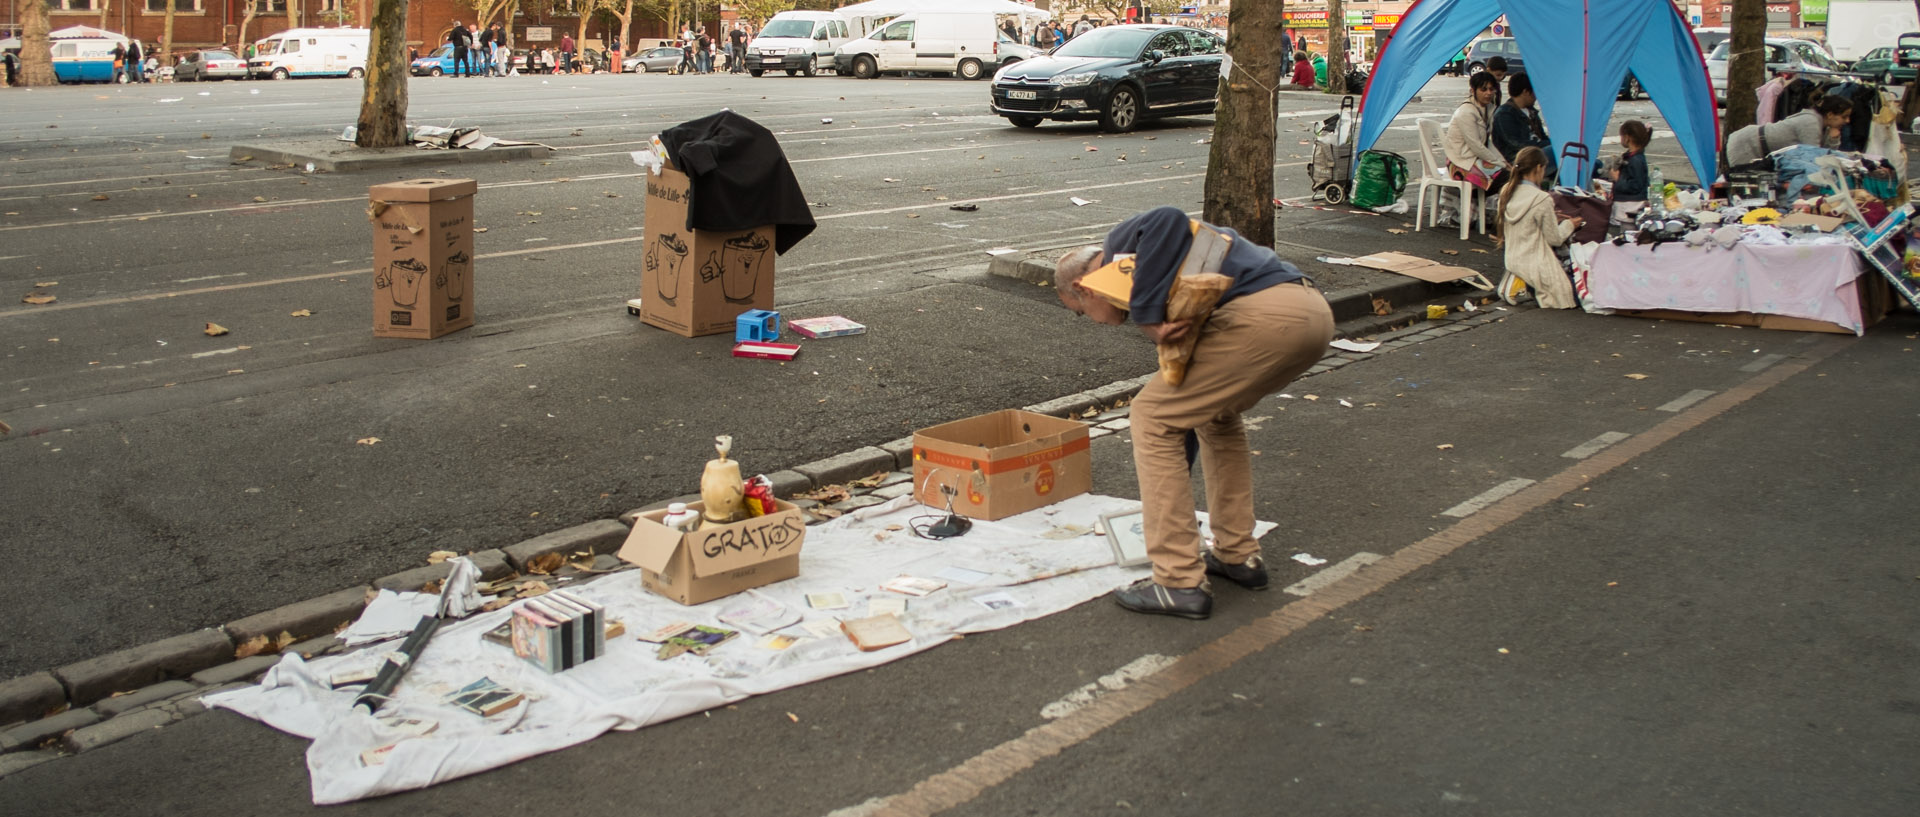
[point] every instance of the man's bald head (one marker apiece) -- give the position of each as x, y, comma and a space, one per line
1068, 271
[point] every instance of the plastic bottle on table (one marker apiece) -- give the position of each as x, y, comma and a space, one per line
1656, 190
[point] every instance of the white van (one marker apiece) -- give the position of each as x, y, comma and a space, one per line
311, 52
798, 42
964, 44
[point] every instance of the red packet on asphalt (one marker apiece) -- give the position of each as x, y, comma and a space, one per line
769, 351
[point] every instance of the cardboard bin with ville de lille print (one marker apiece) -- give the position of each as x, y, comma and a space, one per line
1001, 464
422, 257
693, 568
694, 282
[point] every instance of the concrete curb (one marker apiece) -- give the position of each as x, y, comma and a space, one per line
170, 675
343, 157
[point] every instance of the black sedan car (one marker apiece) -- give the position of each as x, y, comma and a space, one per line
1115, 74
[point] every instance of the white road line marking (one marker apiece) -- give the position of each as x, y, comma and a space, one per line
1681, 403
1763, 363
1487, 497
209, 278
1593, 446
1344, 568
227, 351
1112, 682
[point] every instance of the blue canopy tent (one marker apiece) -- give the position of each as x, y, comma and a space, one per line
1579, 51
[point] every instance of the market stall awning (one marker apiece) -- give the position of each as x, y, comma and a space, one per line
1593, 44
85, 33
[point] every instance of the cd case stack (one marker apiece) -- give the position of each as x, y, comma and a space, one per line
558, 631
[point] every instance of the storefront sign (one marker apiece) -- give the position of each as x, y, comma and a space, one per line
1305, 19
540, 34
1385, 19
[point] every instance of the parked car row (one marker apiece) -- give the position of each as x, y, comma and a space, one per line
1116, 75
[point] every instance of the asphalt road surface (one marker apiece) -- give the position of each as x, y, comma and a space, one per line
1719, 624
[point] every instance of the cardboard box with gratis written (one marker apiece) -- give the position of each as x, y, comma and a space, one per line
694, 282
709, 563
1001, 464
422, 257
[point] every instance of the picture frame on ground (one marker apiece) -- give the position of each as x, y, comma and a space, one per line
1127, 535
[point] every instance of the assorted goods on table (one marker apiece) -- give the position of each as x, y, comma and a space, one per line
1783, 243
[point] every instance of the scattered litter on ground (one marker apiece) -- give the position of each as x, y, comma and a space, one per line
1308, 559
1078, 202
1353, 345
215, 330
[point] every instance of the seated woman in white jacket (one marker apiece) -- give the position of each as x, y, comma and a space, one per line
1470, 153
1531, 230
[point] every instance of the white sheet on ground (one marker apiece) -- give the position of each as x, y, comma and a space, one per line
628, 688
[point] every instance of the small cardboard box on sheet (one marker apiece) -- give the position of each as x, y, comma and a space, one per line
706, 564
422, 257
1001, 464
694, 282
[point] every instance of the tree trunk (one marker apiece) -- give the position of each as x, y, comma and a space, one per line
166, 37
1746, 66
252, 9
1910, 100
104, 5
36, 51
1239, 192
293, 14
1336, 47
626, 31
383, 102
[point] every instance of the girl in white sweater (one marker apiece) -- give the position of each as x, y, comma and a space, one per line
1470, 153
1531, 230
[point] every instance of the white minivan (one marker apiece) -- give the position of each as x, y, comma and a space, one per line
311, 52
798, 42
965, 44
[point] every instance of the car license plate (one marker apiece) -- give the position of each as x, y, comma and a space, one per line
1022, 95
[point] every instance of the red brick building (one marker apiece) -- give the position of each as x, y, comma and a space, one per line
211, 23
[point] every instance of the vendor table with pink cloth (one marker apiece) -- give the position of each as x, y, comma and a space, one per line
1810, 281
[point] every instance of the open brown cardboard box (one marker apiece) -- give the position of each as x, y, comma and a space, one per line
1001, 464
422, 257
694, 282
709, 563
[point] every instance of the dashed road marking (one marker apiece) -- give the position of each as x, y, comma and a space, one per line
1112, 682
1488, 497
1761, 364
1683, 401
1344, 568
1593, 446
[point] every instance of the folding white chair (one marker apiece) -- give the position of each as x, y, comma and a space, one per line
1433, 173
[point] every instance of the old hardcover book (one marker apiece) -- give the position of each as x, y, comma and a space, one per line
876, 632
831, 326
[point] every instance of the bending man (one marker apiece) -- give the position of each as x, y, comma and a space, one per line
1269, 327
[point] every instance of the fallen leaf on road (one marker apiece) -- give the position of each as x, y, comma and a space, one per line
215, 330
531, 589
1396, 231
1449, 252
368, 441
870, 481
793, 717
913, 215
101, 197
1637, 376
545, 563
301, 313
1478, 250
252, 647
439, 556
610, 194
259, 198
38, 298
519, 365
479, 229
496, 604
1311, 397
826, 513
432, 588
1381, 307
889, 180
1445, 446
828, 494
1091, 149
48, 284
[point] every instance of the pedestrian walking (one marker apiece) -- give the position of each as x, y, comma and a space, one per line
462, 41
486, 51
134, 62
737, 50
502, 55
119, 62
566, 53
1268, 328
703, 53
618, 56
